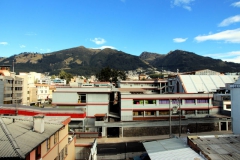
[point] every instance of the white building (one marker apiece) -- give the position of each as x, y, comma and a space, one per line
91, 99
200, 83
42, 92
235, 106
137, 106
150, 86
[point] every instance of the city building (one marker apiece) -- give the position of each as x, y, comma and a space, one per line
135, 106
235, 108
158, 86
199, 83
93, 98
42, 93
35, 138
12, 86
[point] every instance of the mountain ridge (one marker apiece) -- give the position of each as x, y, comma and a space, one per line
86, 61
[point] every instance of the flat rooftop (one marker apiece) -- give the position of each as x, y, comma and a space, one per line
216, 147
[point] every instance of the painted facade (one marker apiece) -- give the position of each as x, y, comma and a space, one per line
157, 106
91, 100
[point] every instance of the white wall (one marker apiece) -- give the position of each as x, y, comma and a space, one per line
235, 105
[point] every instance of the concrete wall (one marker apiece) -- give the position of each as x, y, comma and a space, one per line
163, 130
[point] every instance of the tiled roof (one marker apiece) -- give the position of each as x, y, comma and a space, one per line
17, 138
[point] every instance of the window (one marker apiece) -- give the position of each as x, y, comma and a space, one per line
48, 143
55, 138
175, 101
202, 101
189, 101
137, 101
150, 101
66, 151
163, 101
202, 111
228, 106
138, 113
82, 98
150, 113
163, 112
189, 112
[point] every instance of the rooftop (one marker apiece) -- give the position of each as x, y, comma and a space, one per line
15, 131
216, 146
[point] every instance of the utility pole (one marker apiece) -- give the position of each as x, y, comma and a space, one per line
180, 117
170, 123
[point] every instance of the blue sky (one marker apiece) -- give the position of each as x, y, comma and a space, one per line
205, 27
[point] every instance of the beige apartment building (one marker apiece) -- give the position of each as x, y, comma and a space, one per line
12, 89
35, 138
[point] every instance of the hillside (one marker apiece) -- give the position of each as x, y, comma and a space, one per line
78, 61
84, 61
189, 61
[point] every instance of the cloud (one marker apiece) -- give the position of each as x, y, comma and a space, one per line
232, 36
179, 40
4, 43
22, 46
103, 47
183, 3
45, 50
230, 20
30, 34
98, 41
236, 4
233, 56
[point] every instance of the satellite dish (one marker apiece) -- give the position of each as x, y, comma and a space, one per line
175, 109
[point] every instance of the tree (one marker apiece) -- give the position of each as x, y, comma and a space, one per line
110, 75
65, 75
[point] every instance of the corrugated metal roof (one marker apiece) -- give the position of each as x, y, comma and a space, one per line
205, 83
23, 136
173, 148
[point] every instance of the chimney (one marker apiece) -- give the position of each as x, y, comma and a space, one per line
38, 123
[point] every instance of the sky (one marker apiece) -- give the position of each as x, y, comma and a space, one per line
206, 27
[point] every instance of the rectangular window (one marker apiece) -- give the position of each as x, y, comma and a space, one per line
150, 101
188, 101
163, 112
55, 138
48, 143
138, 113
150, 113
202, 111
228, 106
164, 101
66, 151
137, 101
189, 112
82, 98
202, 101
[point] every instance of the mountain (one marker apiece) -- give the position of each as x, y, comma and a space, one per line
187, 61
85, 61
78, 61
